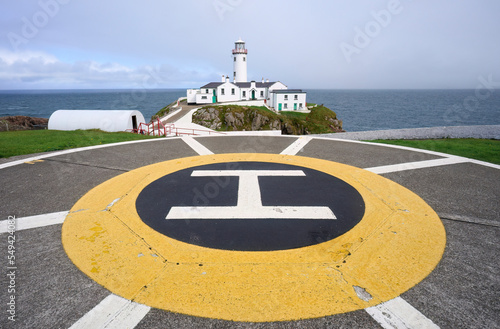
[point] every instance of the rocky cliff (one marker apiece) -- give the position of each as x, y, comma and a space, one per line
21, 122
243, 118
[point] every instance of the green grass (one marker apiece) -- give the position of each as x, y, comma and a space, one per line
36, 141
290, 114
480, 149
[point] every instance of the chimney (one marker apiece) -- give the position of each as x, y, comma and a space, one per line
223, 78
267, 80
262, 80
227, 78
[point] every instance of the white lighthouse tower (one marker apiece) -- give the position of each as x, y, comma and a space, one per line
240, 61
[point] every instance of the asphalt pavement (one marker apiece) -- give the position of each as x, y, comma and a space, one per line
50, 291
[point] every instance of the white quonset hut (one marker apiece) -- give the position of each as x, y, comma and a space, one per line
275, 94
111, 121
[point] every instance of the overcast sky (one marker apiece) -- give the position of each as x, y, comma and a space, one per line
337, 44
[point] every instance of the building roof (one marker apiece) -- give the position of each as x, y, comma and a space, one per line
257, 84
288, 91
212, 85
239, 84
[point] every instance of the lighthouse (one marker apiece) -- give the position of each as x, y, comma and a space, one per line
240, 61
240, 91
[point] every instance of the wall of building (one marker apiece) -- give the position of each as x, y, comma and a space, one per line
225, 92
191, 95
240, 67
289, 101
246, 103
203, 98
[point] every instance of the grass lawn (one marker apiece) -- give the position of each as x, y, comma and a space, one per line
298, 115
480, 149
36, 141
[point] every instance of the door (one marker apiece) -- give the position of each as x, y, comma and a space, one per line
279, 107
214, 97
253, 94
134, 122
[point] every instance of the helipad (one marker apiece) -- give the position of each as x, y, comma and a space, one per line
304, 231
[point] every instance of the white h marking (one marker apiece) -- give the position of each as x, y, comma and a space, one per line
249, 204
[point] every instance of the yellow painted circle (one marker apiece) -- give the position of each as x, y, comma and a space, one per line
398, 242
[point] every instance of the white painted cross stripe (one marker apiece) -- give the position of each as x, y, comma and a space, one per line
196, 146
113, 312
296, 146
248, 212
416, 165
249, 204
24, 223
398, 314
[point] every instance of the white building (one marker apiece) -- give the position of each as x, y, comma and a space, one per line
288, 100
275, 94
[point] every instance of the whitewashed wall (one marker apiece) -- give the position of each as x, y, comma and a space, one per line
94, 119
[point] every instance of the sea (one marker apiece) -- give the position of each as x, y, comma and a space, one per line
360, 110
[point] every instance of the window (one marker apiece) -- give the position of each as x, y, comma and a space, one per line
300, 105
235, 75
235, 58
261, 93
295, 97
232, 91
244, 94
206, 91
203, 97
286, 105
244, 59
222, 91
286, 97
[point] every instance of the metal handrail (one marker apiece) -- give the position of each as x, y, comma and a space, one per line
169, 130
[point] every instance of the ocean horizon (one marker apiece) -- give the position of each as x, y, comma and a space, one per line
359, 109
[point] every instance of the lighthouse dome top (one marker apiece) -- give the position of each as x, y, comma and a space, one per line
239, 41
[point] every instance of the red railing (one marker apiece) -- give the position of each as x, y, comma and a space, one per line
157, 128
195, 132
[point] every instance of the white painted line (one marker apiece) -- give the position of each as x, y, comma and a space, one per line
113, 312
196, 146
249, 212
486, 164
413, 149
249, 204
296, 146
417, 165
398, 314
24, 223
80, 149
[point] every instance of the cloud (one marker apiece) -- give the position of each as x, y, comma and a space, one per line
42, 70
11, 58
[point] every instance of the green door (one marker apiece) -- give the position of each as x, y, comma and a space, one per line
214, 97
295, 106
253, 94
279, 106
